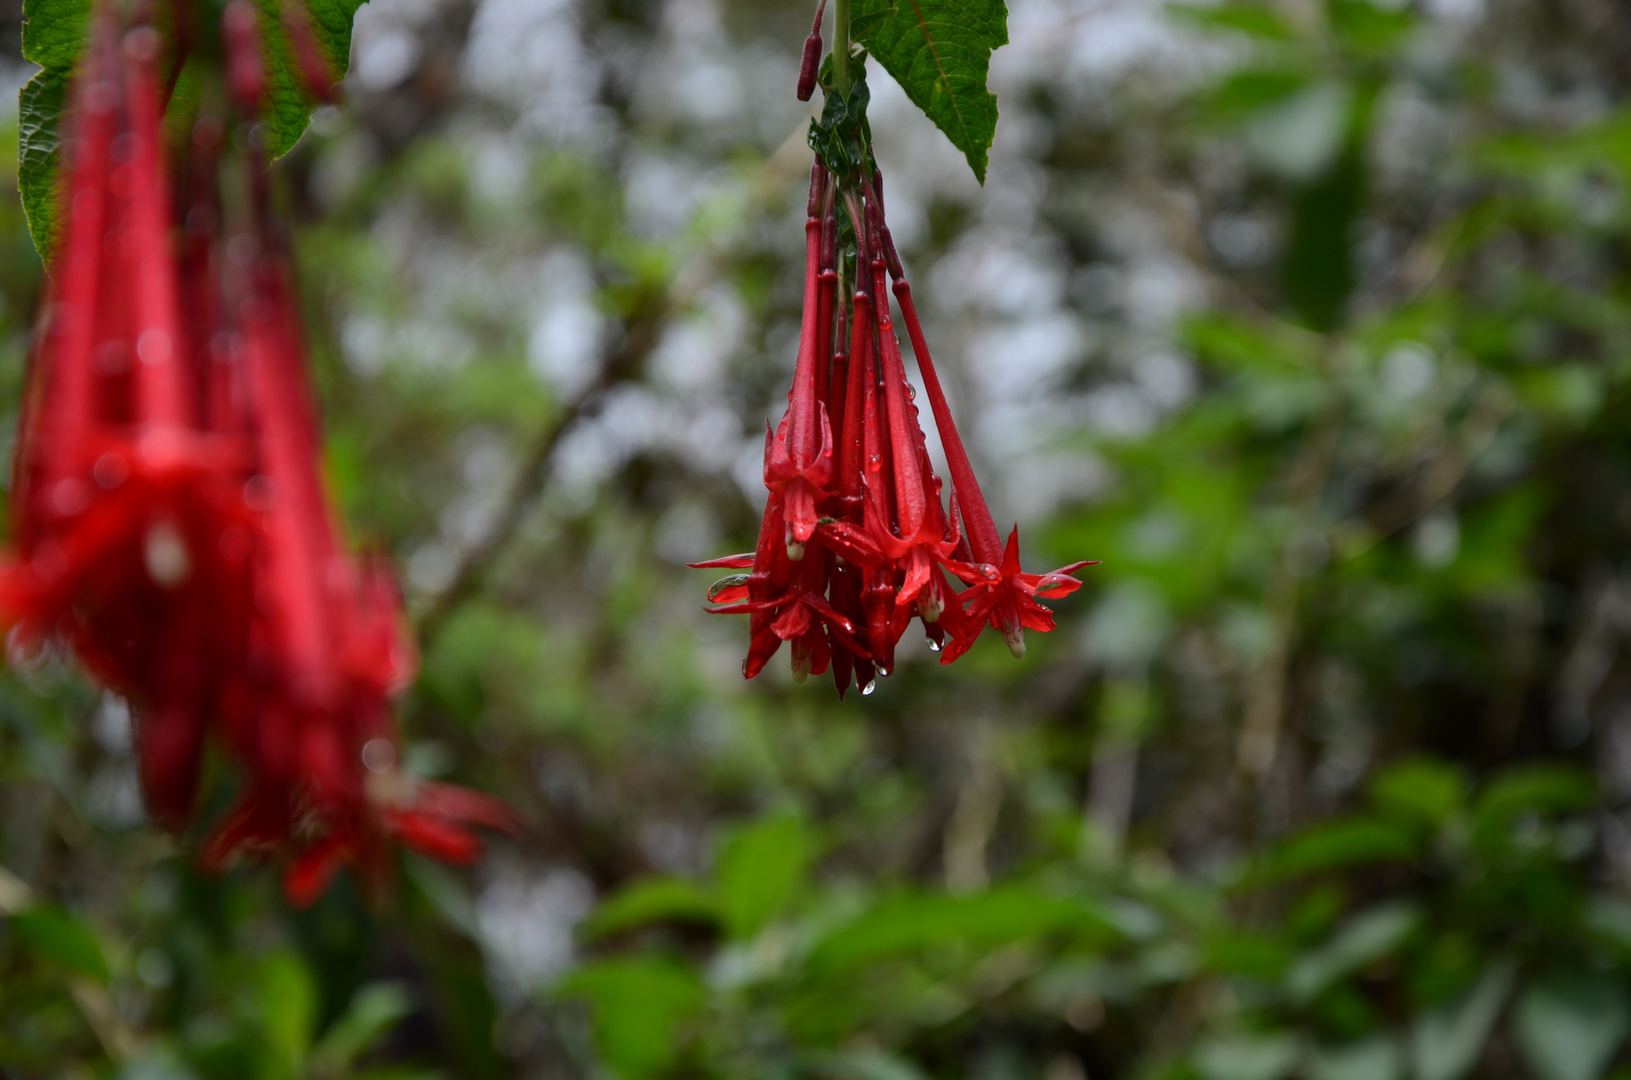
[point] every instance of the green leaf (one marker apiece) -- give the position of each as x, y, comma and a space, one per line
1446, 1042
905, 924
867, 1065
1568, 1025
1373, 1058
939, 51
637, 1007
39, 156
1421, 789
288, 108
648, 901
1248, 1057
1253, 20
53, 37
1334, 845
286, 1008
1535, 790
1244, 94
53, 31
1369, 936
59, 938
1609, 918
373, 1012
761, 868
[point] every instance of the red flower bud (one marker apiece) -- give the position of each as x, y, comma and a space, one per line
811, 61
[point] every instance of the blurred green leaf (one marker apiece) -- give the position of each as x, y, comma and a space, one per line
61, 938
1610, 917
1248, 1057
762, 866
904, 924
1366, 937
1374, 1058
1370, 27
1569, 1024
1334, 845
1422, 789
1445, 1042
373, 1012
286, 1008
1538, 789
638, 1006
1244, 94
1252, 19
648, 901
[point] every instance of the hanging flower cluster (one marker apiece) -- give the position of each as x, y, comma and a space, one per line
170, 521
855, 539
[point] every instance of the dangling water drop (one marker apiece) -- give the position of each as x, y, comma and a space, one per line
934, 646
871, 685
874, 462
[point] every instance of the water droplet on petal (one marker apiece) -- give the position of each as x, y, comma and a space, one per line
871, 685
934, 646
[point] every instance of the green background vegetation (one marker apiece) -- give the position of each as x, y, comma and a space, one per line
1323, 775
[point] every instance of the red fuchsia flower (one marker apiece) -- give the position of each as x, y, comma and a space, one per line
326, 655
1000, 593
130, 527
785, 594
329, 646
855, 540
171, 523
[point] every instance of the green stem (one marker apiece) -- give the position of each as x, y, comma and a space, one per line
840, 46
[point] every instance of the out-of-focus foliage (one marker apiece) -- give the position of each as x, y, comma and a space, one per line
1311, 320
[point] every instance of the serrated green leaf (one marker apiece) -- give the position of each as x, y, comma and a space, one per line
940, 51
39, 156
53, 31
59, 938
288, 108
1569, 1024
53, 37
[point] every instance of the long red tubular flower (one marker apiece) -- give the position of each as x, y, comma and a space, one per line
999, 592
170, 519
856, 538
